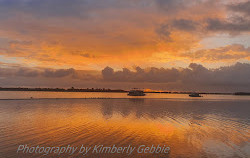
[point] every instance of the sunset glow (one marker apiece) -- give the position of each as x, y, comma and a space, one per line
87, 36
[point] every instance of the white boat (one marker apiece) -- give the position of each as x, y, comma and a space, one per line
136, 92
195, 95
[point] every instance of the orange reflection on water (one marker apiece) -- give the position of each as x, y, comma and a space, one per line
189, 129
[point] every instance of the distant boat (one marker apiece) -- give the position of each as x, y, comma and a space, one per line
136, 92
195, 95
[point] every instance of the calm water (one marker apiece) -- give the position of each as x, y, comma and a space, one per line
84, 95
212, 126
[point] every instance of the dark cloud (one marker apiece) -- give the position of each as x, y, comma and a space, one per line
87, 55
63, 8
233, 26
195, 77
45, 8
195, 74
165, 29
173, 6
233, 23
237, 22
108, 73
184, 24
15, 42
47, 73
19, 72
243, 7
58, 73
26, 72
237, 25
156, 75
83, 8
5, 72
164, 32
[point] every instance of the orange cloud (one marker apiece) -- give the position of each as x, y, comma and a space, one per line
120, 34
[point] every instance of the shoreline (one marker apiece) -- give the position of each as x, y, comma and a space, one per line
97, 90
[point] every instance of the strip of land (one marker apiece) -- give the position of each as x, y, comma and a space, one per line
72, 89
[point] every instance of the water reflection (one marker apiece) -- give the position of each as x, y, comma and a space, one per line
190, 128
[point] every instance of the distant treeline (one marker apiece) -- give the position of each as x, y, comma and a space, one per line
72, 89
242, 93
190, 92
62, 89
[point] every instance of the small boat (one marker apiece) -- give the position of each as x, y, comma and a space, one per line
195, 95
136, 92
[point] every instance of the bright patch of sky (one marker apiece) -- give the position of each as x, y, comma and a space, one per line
223, 40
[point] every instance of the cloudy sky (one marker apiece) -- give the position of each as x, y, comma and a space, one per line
158, 44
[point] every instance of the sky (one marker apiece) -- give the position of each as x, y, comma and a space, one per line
181, 45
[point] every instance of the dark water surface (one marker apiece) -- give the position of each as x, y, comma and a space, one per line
191, 128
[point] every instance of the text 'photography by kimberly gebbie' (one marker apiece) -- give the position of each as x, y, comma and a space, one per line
97, 149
